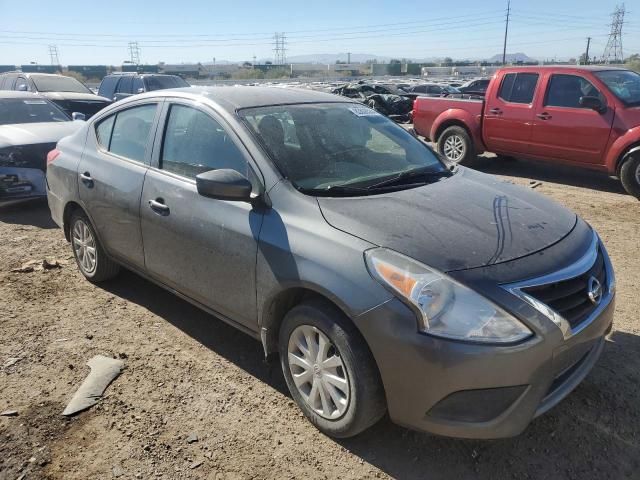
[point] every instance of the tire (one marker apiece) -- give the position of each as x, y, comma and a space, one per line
630, 175
456, 146
96, 267
360, 396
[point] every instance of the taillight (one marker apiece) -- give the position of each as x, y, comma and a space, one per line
52, 155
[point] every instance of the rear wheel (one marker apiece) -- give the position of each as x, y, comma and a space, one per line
92, 261
630, 175
456, 145
329, 370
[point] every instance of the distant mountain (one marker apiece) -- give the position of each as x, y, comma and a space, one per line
512, 58
333, 57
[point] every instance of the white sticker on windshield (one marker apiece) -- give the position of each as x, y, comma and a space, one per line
34, 102
363, 112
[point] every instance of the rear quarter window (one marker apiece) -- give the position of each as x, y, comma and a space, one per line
103, 131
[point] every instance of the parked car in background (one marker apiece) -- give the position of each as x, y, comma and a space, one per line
389, 100
433, 90
588, 117
463, 304
66, 92
122, 85
475, 87
30, 126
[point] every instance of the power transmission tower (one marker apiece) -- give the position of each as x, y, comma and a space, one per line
506, 31
53, 54
279, 42
134, 53
613, 50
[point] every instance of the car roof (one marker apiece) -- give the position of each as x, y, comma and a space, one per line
239, 97
16, 94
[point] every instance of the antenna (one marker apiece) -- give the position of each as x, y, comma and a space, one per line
613, 50
134, 53
53, 54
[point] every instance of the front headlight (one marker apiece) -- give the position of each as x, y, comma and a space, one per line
447, 308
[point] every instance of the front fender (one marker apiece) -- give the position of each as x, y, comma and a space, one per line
619, 147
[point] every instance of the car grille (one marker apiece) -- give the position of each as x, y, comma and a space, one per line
570, 297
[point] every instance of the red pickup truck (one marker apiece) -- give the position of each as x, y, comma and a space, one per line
588, 117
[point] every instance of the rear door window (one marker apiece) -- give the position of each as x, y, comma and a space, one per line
108, 86
131, 131
125, 85
518, 87
566, 91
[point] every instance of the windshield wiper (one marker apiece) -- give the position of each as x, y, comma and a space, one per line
335, 190
424, 174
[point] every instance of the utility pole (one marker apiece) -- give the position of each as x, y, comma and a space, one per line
349, 57
586, 55
506, 31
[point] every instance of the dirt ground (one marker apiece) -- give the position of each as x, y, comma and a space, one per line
188, 373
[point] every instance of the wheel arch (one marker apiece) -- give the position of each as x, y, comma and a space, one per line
450, 123
277, 306
632, 149
69, 208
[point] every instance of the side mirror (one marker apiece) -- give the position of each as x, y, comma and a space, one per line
140, 90
594, 103
224, 184
78, 116
23, 87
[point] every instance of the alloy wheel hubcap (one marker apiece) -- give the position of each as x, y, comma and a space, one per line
638, 174
318, 372
454, 148
84, 246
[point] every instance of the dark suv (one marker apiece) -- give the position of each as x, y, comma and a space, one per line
121, 85
66, 92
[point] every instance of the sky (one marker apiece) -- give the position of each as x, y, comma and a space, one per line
184, 31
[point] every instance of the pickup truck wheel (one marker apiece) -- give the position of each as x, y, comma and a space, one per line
329, 370
630, 175
456, 146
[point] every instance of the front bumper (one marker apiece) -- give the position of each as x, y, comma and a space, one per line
19, 184
475, 391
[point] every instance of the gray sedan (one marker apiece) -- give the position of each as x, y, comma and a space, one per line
382, 279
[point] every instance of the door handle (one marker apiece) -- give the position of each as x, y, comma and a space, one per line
495, 111
159, 207
543, 116
86, 179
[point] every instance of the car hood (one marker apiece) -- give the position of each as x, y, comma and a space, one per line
33, 133
464, 221
85, 97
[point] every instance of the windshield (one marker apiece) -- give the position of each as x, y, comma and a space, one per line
58, 83
624, 84
162, 83
19, 110
320, 147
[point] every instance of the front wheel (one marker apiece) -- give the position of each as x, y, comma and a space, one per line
456, 145
630, 175
329, 370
